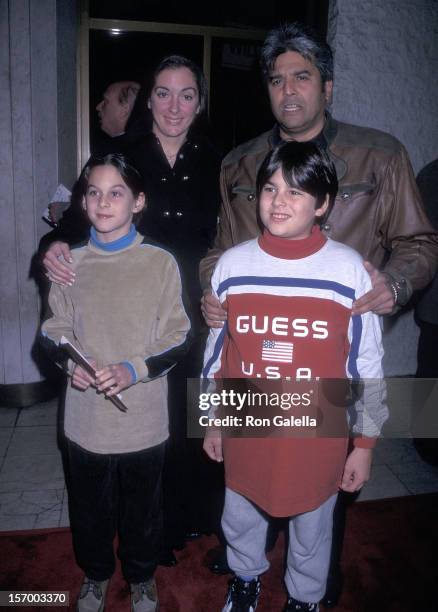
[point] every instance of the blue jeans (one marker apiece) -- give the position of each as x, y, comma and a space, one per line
115, 493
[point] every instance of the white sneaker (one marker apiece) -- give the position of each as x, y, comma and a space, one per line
92, 596
144, 596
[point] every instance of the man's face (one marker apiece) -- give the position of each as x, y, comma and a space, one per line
298, 97
113, 115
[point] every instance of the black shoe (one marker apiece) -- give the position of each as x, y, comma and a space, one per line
299, 606
218, 563
167, 558
178, 544
333, 592
242, 596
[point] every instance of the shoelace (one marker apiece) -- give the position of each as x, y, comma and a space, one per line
95, 587
143, 588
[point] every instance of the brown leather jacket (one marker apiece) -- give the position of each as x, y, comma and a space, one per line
378, 210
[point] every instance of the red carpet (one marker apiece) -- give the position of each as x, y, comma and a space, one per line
390, 564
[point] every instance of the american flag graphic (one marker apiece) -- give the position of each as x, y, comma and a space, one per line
277, 351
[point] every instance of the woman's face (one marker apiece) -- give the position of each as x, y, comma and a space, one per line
174, 102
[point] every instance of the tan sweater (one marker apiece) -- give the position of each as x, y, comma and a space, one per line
125, 306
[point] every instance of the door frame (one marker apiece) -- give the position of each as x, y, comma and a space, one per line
87, 24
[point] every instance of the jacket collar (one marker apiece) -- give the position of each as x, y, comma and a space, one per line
329, 132
330, 128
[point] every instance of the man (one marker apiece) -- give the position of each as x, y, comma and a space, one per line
377, 210
122, 122
114, 111
116, 106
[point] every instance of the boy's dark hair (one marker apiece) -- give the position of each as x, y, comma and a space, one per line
124, 167
304, 166
301, 39
173, 62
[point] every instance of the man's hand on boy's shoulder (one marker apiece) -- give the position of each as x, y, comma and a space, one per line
212, 310
213, 444
379, 299
113, 378
357, 469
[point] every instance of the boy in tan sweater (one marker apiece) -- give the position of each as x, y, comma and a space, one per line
125, 313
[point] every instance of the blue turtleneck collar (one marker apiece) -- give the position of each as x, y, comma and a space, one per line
115, 245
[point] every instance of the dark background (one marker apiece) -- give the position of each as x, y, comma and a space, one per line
239, 108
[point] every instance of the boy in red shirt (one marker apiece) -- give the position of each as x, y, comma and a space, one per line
288, 295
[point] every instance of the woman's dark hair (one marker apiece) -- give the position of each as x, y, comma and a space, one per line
301, 39
174, 62
304, 166
124, 167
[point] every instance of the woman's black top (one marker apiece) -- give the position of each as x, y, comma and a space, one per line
183, 200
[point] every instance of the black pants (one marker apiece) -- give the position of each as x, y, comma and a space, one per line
193, 485
115, 493
427, 369
427, 350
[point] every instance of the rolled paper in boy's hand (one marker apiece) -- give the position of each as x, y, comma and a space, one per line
81, 360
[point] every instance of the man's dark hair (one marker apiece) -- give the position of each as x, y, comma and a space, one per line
173, 62
301, 39
304, 166
124, 167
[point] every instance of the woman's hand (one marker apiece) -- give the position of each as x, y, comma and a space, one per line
56, 271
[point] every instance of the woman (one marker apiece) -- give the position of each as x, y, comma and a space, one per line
180, 167
180, 170
178, 164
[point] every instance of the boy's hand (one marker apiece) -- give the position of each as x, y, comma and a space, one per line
213, 445
80, 379
113, 378
56, 271
212, 310
357, 469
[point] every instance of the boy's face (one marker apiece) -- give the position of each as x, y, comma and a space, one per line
109, 203
288, 212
